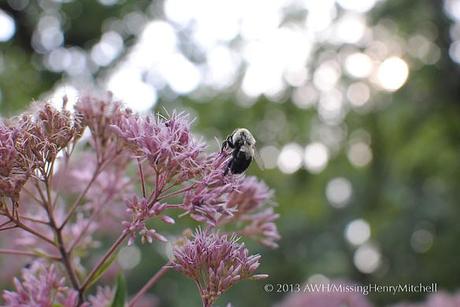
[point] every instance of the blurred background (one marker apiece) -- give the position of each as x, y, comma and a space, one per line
355, 105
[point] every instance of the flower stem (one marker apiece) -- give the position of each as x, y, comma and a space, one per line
141, 175
31, 219
79, 198
175, 192
8, 227
18, 223
101, 262
27, 253
206, 302
91, 219
165, 268
65, 256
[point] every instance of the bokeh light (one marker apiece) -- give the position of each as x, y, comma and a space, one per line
269, 155
7, 27
358, 94
357, 232
361, 6
421, 240
358, 65
316, 156
350, 28
339, 192
290, 158
392, 73
305, 96
129, 257
367, 258
359, 154
107, 49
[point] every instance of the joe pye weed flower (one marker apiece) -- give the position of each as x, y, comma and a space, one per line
69, 176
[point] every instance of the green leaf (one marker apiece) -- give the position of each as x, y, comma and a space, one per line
102, 270
120, 292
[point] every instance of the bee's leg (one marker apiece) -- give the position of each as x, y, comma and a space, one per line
224, 145
228, 142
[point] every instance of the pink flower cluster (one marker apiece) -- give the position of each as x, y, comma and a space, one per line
166, 143
98, 114
141, 211
50, 130
207, 200
67, 177
13, 171
102, 298
215, 262
31, 143
42, 286
175, 159
8, 152
250, 204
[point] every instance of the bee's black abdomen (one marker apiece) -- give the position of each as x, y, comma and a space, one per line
239, 163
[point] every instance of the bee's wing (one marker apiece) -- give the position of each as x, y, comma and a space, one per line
258, 159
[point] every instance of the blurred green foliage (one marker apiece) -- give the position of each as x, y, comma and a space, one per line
411, 183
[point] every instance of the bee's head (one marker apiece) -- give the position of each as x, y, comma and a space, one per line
243, 136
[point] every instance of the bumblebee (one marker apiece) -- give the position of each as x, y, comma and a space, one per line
244, 151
